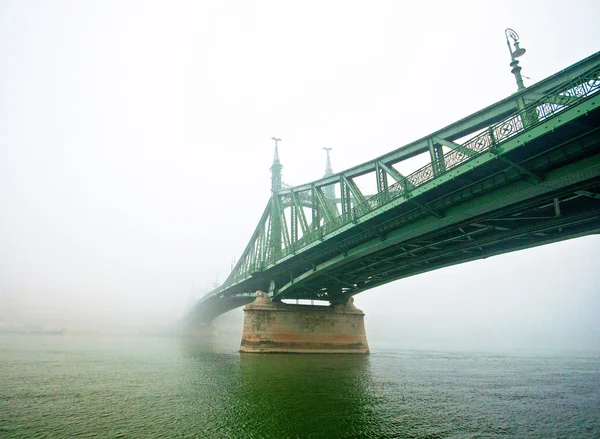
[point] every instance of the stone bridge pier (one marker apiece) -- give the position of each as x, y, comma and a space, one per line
277, 327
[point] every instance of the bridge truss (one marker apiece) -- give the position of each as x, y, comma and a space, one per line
520, 173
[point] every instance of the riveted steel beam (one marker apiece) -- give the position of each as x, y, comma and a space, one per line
382, 182
455, 146
323, 203
588, 194
436, 154
398, 177
300, 214
345, 199
284, 227
532, 176
353, 188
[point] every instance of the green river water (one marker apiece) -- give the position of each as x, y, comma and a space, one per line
134, 387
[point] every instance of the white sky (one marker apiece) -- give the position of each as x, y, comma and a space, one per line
135, 151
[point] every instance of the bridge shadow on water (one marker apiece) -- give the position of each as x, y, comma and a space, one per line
284, 395
308, 395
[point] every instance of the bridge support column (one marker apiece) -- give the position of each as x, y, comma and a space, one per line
275, 327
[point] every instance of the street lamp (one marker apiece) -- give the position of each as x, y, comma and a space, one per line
518, 52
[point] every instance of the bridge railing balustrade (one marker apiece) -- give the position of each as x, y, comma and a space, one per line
422, 175
583, 86
577, 89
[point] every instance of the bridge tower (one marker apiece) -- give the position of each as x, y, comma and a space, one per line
275, 219
329, 191
276, 168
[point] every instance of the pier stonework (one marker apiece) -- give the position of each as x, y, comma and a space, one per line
276, 327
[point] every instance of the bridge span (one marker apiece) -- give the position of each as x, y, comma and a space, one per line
520, 173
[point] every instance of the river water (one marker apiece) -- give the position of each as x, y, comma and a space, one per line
135, 387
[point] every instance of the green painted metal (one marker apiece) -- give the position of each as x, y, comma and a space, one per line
323, 203
382, 182
359, 234
391, 171
353, 188
301, 217
329, 190
436, 155
276, 168
455, 146
275, 222
454, 215
345, 199
316, 211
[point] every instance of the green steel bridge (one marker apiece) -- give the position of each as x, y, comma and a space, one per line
520, 173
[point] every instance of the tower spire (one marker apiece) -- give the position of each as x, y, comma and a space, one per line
275, 218
328, 190
276, 168
328, 168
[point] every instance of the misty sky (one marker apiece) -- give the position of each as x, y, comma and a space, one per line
135, 151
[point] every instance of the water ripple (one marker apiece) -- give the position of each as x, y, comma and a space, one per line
97, 387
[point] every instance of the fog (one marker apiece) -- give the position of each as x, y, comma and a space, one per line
135, 154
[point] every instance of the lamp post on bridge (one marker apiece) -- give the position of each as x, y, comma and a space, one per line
518, 52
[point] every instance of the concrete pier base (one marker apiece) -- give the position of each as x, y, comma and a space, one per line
275, 327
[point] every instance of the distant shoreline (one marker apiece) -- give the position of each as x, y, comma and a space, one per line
33, 331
